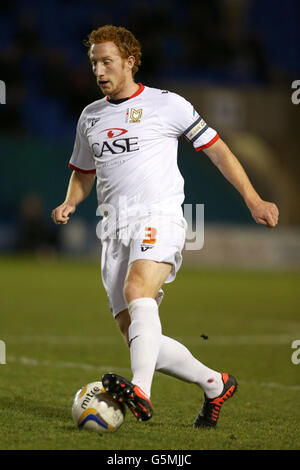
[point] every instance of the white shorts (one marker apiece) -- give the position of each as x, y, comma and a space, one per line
157, 238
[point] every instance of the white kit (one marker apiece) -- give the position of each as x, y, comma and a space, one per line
132, 148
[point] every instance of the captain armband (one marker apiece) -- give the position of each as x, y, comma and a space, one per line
195, 130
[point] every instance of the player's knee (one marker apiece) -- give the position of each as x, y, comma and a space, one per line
133, 289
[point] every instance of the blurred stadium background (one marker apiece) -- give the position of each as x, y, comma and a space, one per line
234, 60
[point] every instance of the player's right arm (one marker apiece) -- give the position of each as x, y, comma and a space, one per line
83, 175
80, 186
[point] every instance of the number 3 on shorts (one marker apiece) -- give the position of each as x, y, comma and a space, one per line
150, 235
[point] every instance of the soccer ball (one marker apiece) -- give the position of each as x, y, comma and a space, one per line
95, 410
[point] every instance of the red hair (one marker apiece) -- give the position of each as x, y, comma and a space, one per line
125, 41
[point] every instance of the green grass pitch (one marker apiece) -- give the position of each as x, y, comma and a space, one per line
59, 335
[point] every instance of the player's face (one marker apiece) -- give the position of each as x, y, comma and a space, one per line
109, 68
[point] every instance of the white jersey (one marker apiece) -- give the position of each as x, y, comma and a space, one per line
132, 148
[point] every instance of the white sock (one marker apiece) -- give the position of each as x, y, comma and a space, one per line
176, 360
144, 339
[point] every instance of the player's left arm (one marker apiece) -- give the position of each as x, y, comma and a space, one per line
263, 212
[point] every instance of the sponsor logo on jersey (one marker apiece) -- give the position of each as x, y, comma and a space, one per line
114, 132
115, 147
135, 115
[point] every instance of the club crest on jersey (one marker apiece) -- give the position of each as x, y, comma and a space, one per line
135, 115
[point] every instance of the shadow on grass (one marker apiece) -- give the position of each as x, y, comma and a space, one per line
25, 406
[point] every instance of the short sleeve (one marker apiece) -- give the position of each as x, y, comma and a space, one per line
181, 118
82, 157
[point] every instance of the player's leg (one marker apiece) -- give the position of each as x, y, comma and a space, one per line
114, 267
173, 358
142, 283
176, 360
154, 255
123, 322
143, 330
144, 279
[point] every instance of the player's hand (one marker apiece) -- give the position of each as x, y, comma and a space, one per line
265, 213
61, 214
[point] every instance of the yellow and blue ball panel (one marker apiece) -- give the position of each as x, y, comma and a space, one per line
92, 415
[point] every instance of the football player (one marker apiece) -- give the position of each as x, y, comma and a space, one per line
128, 141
